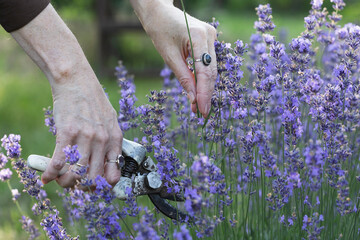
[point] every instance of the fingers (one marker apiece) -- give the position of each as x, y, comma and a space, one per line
112, 171
70, 178
203, 39
57, 161
203, 42
93, 150
177, 62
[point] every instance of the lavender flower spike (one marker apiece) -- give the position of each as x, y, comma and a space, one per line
72, 154
183, 234
11, 145
5, 174
3, 160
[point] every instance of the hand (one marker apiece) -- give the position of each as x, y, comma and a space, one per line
166, 26
83, 115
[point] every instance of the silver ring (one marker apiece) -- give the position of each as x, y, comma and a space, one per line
76, 165
205, 59
119, 160
79, 165
78, 168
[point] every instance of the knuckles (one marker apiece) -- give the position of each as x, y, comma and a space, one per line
101, 136
198, 31
211, 31
69, 132
57, 164
203, 31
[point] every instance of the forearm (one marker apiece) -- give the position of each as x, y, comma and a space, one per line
82, 112
53, 47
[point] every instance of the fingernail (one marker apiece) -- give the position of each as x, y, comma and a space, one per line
207, 109
43, 181
191, 97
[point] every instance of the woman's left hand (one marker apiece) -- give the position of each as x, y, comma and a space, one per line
166, 26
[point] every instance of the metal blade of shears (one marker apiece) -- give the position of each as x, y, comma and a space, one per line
167, 209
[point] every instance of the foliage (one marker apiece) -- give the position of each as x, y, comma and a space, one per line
278, 158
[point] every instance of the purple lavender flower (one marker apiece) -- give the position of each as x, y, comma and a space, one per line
11, 145
183, 234
240, 47
103, 189
282, 219
343, 202
267, 84
3, 160
233, 222
315, 159
280, 195
53, 226
209, 176
49, 120
166, 73
5, 174
29, 227
97, 209
316, 4
338, 4
131, 209
302, 45
310, 22
193, 201
341, 73
277, 50
128, 112
146, 227
312, 225
265, 23
294, 121
268, 39
41, 206
294, 180
15, 194
72, 155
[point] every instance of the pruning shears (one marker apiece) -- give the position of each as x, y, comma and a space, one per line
138, 172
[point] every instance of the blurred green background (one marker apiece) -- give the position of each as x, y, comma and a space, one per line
24, 90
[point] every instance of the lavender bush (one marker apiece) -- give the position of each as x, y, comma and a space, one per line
278, 158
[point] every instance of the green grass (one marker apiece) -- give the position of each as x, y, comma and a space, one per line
24, 92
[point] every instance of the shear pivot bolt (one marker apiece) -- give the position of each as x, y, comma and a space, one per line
153, 180
146, 164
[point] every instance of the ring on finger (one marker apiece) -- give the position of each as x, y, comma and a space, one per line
79, 165
205, 59
119, 161
79, 169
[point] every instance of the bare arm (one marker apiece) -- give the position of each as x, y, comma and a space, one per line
82, 112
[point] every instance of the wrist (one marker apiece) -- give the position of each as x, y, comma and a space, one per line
147, 9
53, 47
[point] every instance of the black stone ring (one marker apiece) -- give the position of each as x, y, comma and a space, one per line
205, 59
